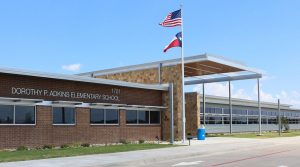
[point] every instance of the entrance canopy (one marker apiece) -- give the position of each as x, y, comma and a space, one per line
198, 69
209, 68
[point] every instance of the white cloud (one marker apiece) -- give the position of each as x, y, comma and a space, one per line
217, 89
241, 94
221, 89
268, 78
72, 67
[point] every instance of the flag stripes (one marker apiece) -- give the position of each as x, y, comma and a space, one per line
173, 19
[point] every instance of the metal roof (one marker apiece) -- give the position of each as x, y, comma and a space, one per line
199, 69
82, 79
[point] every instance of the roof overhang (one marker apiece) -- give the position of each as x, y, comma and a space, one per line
19, 100
204, 68
222, 78
82, 79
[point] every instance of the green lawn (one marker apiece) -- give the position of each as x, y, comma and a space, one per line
254, 135
6, 156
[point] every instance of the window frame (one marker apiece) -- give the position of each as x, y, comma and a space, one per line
14, 114
67, 106
143, 124
105, 124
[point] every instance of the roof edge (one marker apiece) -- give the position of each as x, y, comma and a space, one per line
156, 64
77, 78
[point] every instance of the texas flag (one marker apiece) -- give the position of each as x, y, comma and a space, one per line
176, 42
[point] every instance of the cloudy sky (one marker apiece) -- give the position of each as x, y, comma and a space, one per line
72, 36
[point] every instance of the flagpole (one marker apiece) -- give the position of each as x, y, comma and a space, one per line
182, 74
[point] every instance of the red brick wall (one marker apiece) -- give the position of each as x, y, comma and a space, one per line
44, 132
127, 95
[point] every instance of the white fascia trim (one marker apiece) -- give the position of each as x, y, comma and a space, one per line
83, 79
191, 59
67, 103
20, 100
144, 66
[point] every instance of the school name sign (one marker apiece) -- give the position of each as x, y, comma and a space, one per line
114, 96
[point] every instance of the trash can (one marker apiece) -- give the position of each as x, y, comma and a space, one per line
201, 133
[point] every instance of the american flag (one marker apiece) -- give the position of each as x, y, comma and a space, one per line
173, 19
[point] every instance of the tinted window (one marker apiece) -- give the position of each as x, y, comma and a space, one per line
24, 115
143, 117
63, 115
131, 117
112, 116
6, 114
97, 116
155, 117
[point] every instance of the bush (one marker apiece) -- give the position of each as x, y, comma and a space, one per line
124, 141
38, 148
21, 148
85, 145
75, 145
65, 146
48, 146
141, 141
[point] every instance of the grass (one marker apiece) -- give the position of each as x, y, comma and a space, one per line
7, 156
255, 135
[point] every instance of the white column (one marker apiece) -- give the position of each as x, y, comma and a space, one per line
230, 107
203, 103
259, 106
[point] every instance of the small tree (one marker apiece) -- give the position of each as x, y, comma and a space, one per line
284, 123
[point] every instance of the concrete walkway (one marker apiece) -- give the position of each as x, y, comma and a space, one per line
217, 145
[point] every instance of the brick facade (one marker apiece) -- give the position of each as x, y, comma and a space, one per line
168, 74
127, 95
44, 132
192, 109
82, 132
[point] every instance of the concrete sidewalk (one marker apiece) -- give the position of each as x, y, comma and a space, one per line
210, 146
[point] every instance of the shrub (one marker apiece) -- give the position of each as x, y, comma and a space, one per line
38, 148
75, 145
85, 145
21, 148
124, 141
65, 146
48, 146
141, 141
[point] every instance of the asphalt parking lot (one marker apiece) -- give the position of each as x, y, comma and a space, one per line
223, 152
285, 155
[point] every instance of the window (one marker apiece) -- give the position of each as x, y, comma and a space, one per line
252, 120
111, 116
154, 117
131, 117
63, 115
97, 116
104, 116
10, 114
142, 117
24, 115
6, 114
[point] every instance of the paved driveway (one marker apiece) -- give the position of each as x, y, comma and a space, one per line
212, 152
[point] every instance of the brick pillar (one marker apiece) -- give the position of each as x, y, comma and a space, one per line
122, 122
44, 128
172, 74
192, 109
82, 125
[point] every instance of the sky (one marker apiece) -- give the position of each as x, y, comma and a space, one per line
74, 36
